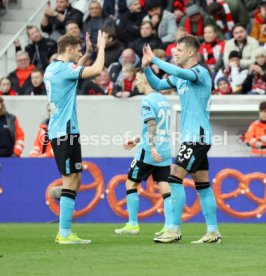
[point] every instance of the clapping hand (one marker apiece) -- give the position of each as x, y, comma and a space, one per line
147, 55
49, 11
101, 40
88, 44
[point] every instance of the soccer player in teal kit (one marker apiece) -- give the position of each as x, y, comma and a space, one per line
61, 78
193, 84
153, 156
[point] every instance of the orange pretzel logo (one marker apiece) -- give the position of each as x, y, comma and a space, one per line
116, 205
242, 189
152, 193
97, 184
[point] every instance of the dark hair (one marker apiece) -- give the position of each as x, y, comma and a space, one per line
190, 41
140, 70
234, 54
71, 22
29, 27
110, 31
211, 26
67, 40
150, 4
239, 25
214, 8
37, 70
262, 106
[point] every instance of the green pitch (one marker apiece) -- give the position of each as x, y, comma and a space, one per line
29, 249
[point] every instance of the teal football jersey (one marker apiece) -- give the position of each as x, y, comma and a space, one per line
61, 80
195, 105
155, 106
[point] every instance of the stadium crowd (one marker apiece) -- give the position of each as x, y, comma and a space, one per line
232, 36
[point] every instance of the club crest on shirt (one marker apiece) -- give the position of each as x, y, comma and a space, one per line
75, 66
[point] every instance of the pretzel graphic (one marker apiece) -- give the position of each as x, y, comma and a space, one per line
97, 184
242, 189
116, 205
152, 193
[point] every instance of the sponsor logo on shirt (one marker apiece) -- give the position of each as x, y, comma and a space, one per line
183, 90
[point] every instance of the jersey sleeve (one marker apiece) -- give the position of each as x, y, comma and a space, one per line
171, 69
171, 80
154, 81
147, 112
201, 73
73, 71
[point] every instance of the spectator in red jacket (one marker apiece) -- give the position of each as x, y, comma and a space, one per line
21, 77
211, 51
223, 87
171, 48
12, 135
42, 145
5, 88
127, 87
40, 48
178, 8
194, 21
255, 137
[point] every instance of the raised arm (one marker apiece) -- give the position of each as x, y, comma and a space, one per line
174, 70
87, 54
155, 82
97, 67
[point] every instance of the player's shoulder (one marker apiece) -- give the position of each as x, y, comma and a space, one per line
154, 96
146, 100
55, 64
150, 99
156, 99
202, 71
200, 67
161, 97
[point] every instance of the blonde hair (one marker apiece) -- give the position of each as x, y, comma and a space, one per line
129, 67
4, 78
261, 51
159, 53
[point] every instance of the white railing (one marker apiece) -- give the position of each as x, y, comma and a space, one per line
4, 51
230, 116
